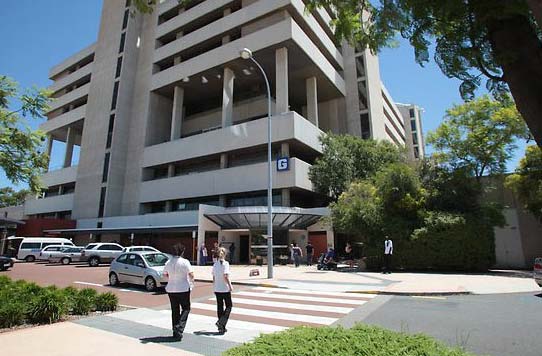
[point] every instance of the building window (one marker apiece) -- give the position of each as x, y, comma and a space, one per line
416, 152
414, 139
106, 167
125, 19
119, 67
412, 113
110, 131
102, 202
122, 40
128, 3
413, 125
115, 94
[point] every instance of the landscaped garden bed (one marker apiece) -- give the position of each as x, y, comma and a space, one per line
24, 304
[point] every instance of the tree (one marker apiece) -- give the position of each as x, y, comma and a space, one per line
478, 136
20, 155
527, 181
499, 40
347, 158
9, 197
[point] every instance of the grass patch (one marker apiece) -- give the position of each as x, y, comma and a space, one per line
361, 340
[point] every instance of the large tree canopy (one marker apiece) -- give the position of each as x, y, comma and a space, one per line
478, 136
9, 197
496, 40
20, 155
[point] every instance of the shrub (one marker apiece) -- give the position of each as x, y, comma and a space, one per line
107, 302
84, 301
361, 340
12, 313
48, 307
5, 282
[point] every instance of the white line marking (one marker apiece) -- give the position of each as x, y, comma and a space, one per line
267, 303
303, 298
89, 284
428, 297
271, 315
309, 292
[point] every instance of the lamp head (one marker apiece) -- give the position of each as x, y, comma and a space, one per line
246, 53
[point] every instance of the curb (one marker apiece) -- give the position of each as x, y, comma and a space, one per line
411, 294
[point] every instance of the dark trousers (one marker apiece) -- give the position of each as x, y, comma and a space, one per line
309, 259
223, 313
297, 260
387, 263
178, 318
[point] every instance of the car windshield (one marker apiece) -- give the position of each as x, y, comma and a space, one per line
156, 259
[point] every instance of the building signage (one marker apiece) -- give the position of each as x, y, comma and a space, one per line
283, 164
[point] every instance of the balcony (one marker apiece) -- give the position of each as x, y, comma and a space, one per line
72, 60
49, 205
63, 120
226, 181
288, 126
69, 97
60, 176
72, 78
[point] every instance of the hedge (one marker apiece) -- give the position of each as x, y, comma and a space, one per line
361, 340
26, 302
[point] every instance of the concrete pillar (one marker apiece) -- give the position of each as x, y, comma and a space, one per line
177, 113
70, 140
312, 100
285, 197
223, 160
222, 200
281, 80
49, 149
169, 206
171, 170
285, 149
227, 38
227, 97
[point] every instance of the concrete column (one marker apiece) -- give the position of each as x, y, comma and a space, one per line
49, 149
171, 170
177, 59
222, 200
169, 206
223, 160
177, 113
227, 97
285, 149
227, 38
312, 100
285, 197
281, 80
70, 138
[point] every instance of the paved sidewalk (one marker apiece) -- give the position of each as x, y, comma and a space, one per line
68, 339
309, 278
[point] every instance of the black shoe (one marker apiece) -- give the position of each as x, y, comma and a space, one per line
177, 336
221, 329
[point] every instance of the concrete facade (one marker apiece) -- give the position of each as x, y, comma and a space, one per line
167, 116
415, 143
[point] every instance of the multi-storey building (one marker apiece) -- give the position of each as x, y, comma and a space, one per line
171, 124
415, 144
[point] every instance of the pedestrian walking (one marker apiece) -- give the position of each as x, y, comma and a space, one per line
291, 248
298, 254
348, 254
310, 252
214, 251
203, 255
180, 282
388, 252
223, 288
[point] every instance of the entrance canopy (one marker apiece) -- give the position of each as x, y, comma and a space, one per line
255, 217
126, 230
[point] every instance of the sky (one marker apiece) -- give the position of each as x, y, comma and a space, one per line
38, 34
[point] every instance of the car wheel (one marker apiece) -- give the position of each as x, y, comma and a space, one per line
94, 262
113, 279
30, 258
65, 261
150, 284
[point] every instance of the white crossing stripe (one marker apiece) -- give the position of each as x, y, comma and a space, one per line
308, 292
89, 284
271, 315
303, 298
267, 303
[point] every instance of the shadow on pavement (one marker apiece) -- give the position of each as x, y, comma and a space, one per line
538, 295
158, 339
208, 333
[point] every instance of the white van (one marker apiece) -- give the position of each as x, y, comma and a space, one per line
30, 247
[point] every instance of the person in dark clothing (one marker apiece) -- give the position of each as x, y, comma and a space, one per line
298, 254
310, 251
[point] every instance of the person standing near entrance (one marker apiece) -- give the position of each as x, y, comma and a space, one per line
214, 251
180, 282
388, 252
310, 252
223, 288
298, 254
203, 255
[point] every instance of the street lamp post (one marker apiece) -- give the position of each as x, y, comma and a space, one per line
247, 54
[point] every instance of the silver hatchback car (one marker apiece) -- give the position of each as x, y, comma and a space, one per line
143, 268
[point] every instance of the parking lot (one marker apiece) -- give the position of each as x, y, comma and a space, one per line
83, 276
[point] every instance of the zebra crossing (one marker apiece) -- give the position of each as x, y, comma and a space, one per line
257, 310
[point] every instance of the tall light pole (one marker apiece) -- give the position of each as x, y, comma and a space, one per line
247, 54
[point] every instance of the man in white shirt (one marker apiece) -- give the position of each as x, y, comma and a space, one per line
388, 252
180, 281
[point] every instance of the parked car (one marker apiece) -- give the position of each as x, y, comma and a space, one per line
101, 252
537, 270
48, 250
140, 249
6, 262
30, 247
66, 256
143, 268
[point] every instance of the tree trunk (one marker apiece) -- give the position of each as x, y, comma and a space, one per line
519, 52
536, 9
